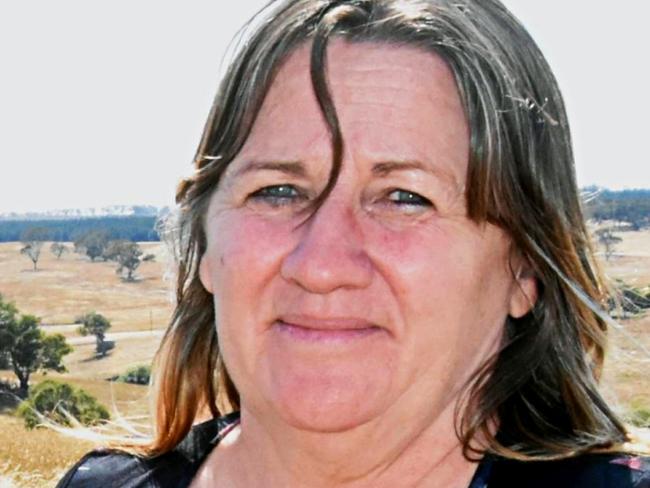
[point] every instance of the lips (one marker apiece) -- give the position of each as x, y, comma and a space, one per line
328, 330
326, 323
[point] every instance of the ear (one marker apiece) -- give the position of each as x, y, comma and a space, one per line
204, 273
524, 291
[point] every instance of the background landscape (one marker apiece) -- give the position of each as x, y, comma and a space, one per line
112, 263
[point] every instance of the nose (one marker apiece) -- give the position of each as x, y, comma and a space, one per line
330, 253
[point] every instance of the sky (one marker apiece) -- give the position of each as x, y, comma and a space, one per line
103, 102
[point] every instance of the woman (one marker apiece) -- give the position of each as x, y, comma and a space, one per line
384, 273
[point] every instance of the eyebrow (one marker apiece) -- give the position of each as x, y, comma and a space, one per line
384, 168
294, 168
387, 167
380, 169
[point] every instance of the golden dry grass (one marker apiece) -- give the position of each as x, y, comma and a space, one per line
58, 292
63, 289
631, 260
81, 363
626, 379
35, 458
39, 457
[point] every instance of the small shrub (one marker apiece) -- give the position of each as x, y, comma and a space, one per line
640, 417
55, 401
138, 375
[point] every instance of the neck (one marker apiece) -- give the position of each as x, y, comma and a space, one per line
404, 452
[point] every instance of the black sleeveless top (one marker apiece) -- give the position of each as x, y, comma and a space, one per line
176, 469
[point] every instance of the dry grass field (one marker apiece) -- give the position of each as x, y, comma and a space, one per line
626, 379
34, 459
631, 261
57, 293
63, 289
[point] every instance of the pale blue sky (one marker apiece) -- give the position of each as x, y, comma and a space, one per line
103, 102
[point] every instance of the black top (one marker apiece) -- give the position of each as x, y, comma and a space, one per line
175, 469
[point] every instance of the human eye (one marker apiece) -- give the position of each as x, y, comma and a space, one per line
278, 195
408, 199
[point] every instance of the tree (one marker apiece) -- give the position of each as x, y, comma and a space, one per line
92, 243
58, 249
138, 375
608, 240
128, 255
96, 324
26, 347
113, 248
630, 206
33, 239
57, 402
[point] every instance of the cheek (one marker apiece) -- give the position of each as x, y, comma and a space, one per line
422, 262
454, 296
449, 282
240, 255
241, 267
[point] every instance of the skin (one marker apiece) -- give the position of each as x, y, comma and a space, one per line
390, 253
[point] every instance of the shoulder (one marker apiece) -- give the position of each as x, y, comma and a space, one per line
112, 468
117, 469
590, 470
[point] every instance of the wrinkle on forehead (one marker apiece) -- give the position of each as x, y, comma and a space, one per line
345, 63
371, 83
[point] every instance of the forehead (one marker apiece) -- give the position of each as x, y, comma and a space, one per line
392, 102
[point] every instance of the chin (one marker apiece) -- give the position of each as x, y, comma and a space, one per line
330, 402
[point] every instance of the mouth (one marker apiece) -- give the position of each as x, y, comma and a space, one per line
328, 330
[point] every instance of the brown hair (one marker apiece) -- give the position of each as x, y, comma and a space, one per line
542, 385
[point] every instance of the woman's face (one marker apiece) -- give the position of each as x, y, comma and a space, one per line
388, 297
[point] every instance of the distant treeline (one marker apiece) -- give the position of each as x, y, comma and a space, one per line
130, 228
625, 206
